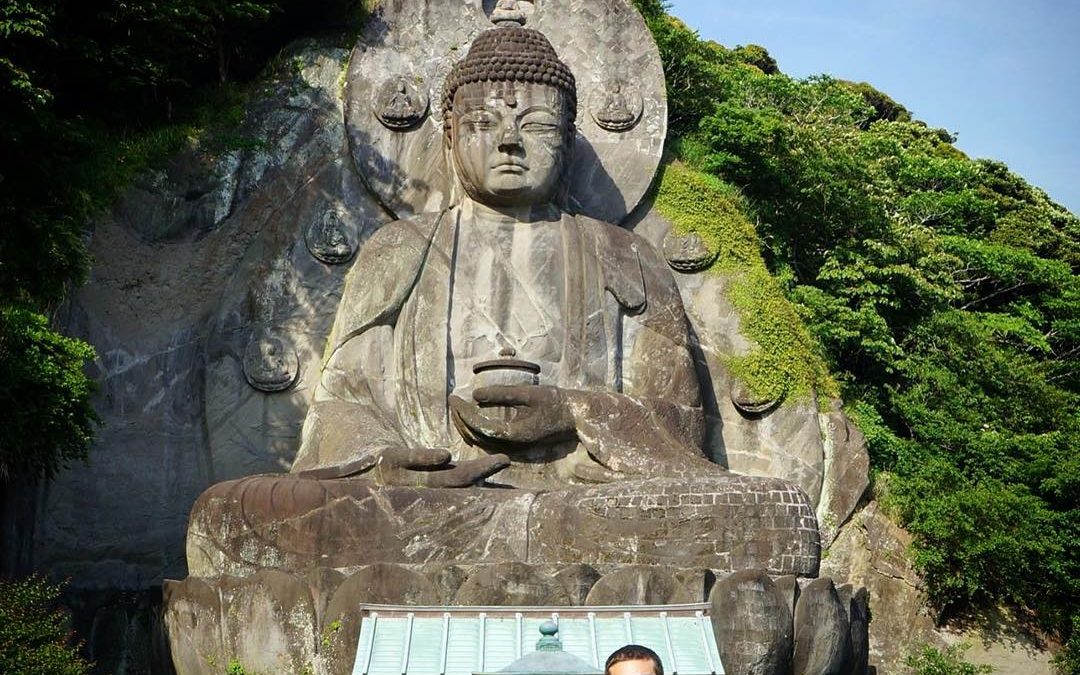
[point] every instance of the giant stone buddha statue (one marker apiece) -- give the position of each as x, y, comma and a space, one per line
506, 381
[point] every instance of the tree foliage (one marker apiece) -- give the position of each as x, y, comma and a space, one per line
945, 292
930, 661
45, 407
34, 634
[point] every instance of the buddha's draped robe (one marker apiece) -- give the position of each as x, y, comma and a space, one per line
404, 338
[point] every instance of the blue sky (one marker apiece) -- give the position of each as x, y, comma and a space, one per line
1002, 74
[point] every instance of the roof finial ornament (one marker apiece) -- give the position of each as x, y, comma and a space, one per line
550, 642
508, 13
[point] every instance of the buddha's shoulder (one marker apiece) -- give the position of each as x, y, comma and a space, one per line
402, 236
619, 238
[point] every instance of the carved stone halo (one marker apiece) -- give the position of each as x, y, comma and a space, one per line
616, 105
599, 40
400, 103
270, 362
687, 253
330, 239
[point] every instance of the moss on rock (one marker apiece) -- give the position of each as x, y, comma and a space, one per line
785, 359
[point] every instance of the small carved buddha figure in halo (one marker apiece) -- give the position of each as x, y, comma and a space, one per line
504, 334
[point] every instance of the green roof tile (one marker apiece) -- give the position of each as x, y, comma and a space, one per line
402, 640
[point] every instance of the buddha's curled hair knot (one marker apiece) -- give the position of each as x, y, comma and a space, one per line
510, 54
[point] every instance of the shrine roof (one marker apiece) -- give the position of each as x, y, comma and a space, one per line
410, 640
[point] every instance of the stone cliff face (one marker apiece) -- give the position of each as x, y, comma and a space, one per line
213, 289
200, 263
871, 552
214, 286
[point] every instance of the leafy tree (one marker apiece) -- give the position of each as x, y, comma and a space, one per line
945, 293
885, 108
45, 407
757, 56
34, 635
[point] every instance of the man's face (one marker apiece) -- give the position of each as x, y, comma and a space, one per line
508, 141
633, 667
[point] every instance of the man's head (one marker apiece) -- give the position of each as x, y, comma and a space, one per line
509, 108
633, 660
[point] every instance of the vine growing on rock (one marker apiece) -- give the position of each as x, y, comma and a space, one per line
785, 360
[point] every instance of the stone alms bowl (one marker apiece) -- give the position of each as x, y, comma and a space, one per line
505, 371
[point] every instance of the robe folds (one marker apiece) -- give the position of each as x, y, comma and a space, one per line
387, 373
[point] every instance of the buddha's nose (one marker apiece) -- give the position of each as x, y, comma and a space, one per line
510, 136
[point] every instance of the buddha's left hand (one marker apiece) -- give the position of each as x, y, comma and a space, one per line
540, 414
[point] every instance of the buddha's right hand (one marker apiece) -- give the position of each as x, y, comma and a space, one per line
412, 467
432, 467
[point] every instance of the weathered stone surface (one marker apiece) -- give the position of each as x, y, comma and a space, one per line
323, 583
376, 584
729, 522
870, 552
191, 196
847, 472
752, 623
698, 582
448, 578
1006, 644
511, 583
193, 615
782, 441
639, 585
215, 292
124, 631
167, 308
822, 634
578, 580
283, 522
271, 619
787, 587
602, 41
857, 605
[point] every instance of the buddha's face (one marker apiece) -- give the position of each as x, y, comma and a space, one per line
509, 141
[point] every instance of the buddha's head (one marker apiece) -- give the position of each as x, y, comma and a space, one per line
509, 108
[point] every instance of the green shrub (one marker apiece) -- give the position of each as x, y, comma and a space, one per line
1067, 661
34, 634
931, 661
45, 410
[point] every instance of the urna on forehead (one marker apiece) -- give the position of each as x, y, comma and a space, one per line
511, 54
